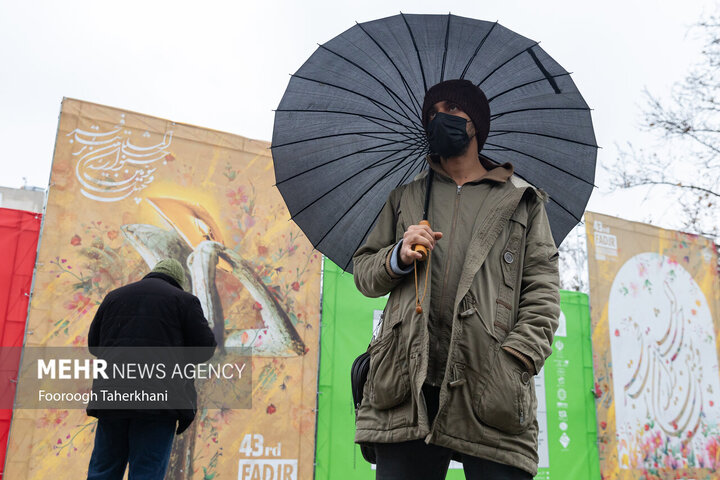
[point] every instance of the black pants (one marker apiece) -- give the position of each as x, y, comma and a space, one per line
418, 460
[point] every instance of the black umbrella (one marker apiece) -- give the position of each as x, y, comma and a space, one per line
348, 129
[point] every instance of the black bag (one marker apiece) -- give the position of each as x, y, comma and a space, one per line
358, 376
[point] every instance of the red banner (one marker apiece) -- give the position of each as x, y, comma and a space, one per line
19, 232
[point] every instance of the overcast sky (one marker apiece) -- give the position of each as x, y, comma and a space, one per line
225, 65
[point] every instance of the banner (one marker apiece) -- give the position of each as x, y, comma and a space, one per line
566, 407
654, 304
19, 231
347, 326
566, 413
128, 190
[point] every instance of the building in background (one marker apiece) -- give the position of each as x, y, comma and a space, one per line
31, 199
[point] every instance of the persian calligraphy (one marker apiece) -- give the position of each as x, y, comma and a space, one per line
664, 360
110, 167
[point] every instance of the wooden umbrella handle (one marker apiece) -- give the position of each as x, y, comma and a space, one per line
420, 248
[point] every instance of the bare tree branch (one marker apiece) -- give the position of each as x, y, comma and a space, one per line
638, 182
688, 166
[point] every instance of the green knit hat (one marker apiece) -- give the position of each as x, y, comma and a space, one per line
171, 268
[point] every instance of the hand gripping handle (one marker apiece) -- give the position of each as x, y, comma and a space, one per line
420, 248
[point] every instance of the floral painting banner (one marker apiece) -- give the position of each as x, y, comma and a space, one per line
655, 303
127, 190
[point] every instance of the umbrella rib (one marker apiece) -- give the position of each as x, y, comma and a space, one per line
370, 224
410, 128
415, 132
477, 50
499, 149
498, 133
339, 112
387, 174
408, 90
524, 85
416, 136
417, 52
508, 149
330, 136
364, 150
381, 105
407, 142
395, 165
553, 200
404, 144
564, 208
445, 50
504, 63
409, 171
409, 133
411, 152
498, 115
394, 95
396, 150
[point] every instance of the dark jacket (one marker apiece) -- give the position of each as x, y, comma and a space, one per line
153, 312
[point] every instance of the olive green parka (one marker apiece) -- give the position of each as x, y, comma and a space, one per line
507, 301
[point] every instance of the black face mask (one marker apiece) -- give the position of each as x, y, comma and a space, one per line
447, 135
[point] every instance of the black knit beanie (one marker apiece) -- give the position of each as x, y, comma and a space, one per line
468, 97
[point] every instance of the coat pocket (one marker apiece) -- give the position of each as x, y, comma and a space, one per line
388, 378
506, 401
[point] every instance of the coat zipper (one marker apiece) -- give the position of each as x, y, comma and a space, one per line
450, 248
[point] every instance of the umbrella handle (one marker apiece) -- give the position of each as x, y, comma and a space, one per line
420, 248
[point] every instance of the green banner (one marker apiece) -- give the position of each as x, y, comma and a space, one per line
566, 411
345, 330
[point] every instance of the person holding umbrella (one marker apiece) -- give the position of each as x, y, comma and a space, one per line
464, 332
462, 137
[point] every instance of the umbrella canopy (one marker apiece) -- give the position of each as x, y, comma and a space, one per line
348, 128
